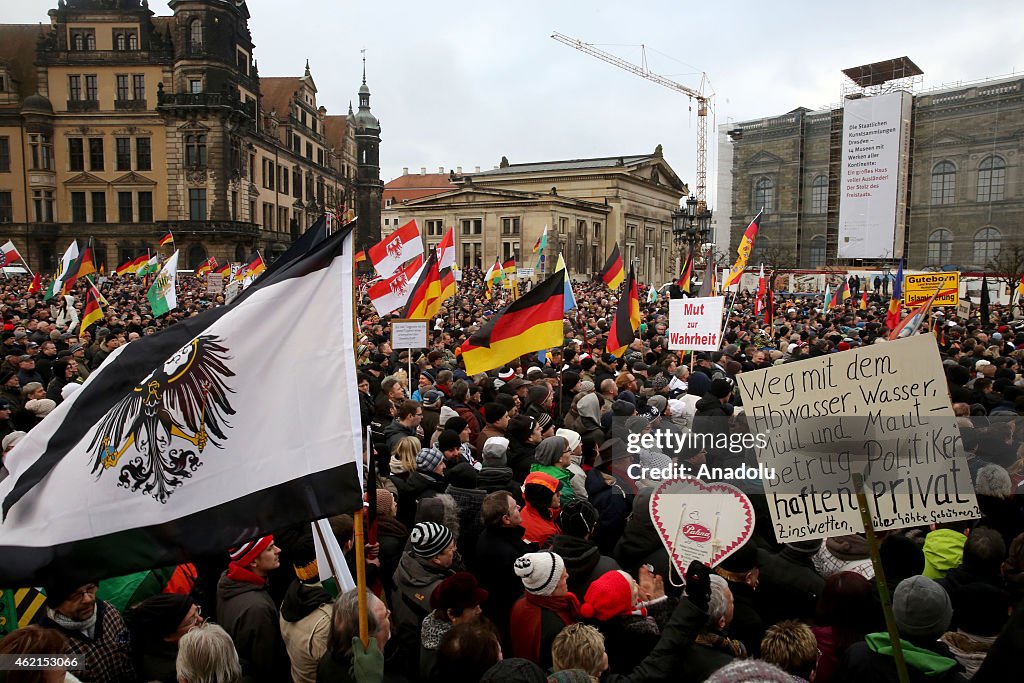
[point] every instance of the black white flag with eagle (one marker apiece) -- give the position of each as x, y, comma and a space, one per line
229, 425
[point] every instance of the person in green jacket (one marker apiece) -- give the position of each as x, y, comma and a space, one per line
553, 458
944, 549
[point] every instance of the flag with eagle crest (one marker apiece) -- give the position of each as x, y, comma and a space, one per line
199, 437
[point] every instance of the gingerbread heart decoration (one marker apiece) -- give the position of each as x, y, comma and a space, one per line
701, 521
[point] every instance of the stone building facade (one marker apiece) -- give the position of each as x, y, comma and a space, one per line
965, 193
587, 204
119, 126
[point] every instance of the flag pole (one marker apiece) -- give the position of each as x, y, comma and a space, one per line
330, 560
22, 259
358, 537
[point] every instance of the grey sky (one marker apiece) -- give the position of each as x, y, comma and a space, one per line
461, 84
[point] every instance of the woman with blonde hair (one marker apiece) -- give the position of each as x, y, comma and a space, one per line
403, 457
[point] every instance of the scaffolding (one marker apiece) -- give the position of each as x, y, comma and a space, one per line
882, 77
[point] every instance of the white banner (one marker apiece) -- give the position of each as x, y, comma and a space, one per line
872, 190
882, 411
695, 324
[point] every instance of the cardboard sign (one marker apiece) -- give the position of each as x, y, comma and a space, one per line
963, 310
409, 334
523, 273
695, 323
700, 521
214, 283
882, 411
919, 288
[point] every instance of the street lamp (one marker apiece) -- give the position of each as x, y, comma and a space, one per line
691, 224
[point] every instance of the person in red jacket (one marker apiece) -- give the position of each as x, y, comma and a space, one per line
540, 514
545, 609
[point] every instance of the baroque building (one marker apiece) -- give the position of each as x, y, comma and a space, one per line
587, 205
119, 126
964, 194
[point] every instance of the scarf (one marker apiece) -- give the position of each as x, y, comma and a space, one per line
86, 627
240, 573
526, 619
716, 641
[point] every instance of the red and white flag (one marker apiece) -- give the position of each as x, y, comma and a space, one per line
397, 248
446, 250
759, 301
9, 254
391, 293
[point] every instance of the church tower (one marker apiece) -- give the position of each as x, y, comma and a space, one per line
369, 187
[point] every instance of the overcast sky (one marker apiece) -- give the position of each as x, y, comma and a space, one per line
463, 83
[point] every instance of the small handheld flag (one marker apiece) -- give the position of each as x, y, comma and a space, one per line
167, 239
613, 272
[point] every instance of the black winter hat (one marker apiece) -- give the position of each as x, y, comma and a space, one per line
160, 615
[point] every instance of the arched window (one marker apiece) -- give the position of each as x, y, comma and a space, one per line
819, 195
940, 247
196, 256
944, 183
764, 194
240, 254
991, 179
90, 41
77, 41
120, 42
195, 150
195, 35
816, 252
133, 41
987, 243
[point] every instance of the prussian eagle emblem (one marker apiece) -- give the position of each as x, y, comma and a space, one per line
183, 400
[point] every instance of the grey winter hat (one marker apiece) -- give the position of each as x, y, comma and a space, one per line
922, 608
494, 450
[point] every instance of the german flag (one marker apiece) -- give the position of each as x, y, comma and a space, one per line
613, 272
447, 284
81, 267
509, 267
627, 319
223, 269
360, 256
686, 279
206, 266
255, 266
864, 301
92, 313
167, 239
132, 266
425, 299
532, 322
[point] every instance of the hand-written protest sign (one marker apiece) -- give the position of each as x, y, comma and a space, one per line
882, 410
919, 288
695, 323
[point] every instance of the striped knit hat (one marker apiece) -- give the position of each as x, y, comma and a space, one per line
540, 572
246, 553
430, 539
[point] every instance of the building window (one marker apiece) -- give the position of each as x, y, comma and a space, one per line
940, 247
76, 154
509, 250
77, 41
138, 86
42, 152
473, 226
195, 150
472, 255
309, 151
510, 226
764, 194
597, 231
991, 179
197, 205
120, 41
943, 183
819, 196
268, 216
126, 39
6, 207
283, 185
145, 207
297, 183
99, 207
91, 89
124, 207
133, 41
5, 154
195, 85
987, 243
78, 211
143, 157
123, 147
95, 154
83, 39
42, 204
434, 227
195, 36
75, 88
816, 253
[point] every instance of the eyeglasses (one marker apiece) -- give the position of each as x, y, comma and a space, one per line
90, 590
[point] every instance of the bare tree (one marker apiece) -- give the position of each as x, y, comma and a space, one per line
778, 259
1008, 265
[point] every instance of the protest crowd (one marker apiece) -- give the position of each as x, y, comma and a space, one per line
508, 540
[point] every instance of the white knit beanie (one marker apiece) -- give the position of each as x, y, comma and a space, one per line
540, 572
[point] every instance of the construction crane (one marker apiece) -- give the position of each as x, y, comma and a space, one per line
703, 103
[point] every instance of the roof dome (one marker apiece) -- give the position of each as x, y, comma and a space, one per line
364, 119
36, 104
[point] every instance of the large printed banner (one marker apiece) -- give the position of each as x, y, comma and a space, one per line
882, 411
872, 189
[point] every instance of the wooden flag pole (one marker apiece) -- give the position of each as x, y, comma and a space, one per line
883, 587
358, 536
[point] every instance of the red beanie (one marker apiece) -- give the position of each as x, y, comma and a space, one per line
610, 596
244, 554
844, 346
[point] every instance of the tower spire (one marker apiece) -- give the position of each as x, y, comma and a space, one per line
364, 65
307, 68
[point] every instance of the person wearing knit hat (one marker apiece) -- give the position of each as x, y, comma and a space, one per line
493, 451
574, 447
422, 568
612, 595
495, 423
430, 460
157, 624
750, 671
545, 608
246, 610
541, 492
553, 458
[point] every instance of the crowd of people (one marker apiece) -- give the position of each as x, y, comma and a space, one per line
509, 543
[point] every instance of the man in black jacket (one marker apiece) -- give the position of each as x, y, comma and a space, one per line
499, 546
